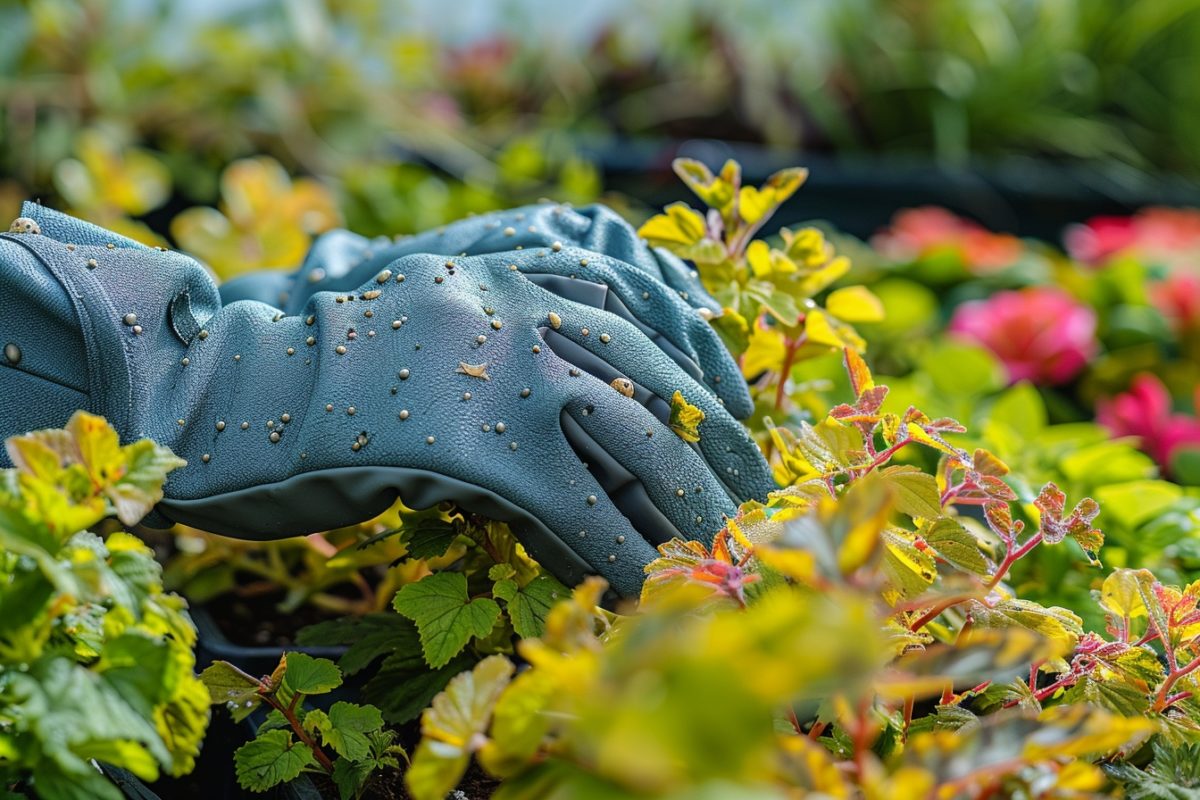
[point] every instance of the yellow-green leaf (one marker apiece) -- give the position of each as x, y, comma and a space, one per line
452, 728
1120, 596
854, 304
680, 225
685, 418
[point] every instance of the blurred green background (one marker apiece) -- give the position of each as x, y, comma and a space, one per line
1024, 113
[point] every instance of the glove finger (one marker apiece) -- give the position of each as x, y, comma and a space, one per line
673, 325
663, 487
610, 348
594, 227
654, 289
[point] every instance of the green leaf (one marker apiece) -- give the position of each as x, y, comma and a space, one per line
140, 488
230, 687
1134, 503
269, 760
530, 605
453, 725
519, 724
446, 617
351, 776
1057, 624
909, 569
1020, 408
916, 491
368, 637
345, 728
308, 675
955, 544
404, 684
505, 589
1120, 698
431, 539
182, 722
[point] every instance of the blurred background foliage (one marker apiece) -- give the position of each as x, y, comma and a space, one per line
128, 111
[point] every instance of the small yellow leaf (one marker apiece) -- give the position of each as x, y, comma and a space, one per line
918, 434
758, 256
685, 418
753, 204
764, 352
814, 282
785, 182
859, 372
680, 225
1120, 596
855, 304
819, 331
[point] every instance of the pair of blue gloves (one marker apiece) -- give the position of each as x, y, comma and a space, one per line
519, 364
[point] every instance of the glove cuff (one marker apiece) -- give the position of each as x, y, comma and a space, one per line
136, 307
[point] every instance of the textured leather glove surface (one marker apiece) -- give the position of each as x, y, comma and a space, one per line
341, 261
435, 378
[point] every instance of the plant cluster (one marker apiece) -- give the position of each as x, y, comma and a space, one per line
855, 635
293, 739
96, 660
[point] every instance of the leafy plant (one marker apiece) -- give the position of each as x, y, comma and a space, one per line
295, 740
95, 659
487, 594
866, 618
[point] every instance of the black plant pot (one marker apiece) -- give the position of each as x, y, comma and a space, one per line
859, 193
212, 645
130, 785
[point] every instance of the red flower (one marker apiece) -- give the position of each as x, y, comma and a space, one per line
1039, 334
1145, 412
923, 232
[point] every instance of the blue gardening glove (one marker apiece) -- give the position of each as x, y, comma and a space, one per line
437, 379
341, 261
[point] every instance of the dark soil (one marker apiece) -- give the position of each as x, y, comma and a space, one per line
257, 622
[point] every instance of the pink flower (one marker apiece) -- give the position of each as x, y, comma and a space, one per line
929, 231
1145, 412
1040, 334
1162, 236
1100, 238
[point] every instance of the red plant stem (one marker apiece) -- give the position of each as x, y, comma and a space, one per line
1009, 559
795, 721
1012, 557
1042, 694
933, 613
817, 729
790, 348
1162, 699
289, 713
883, 456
